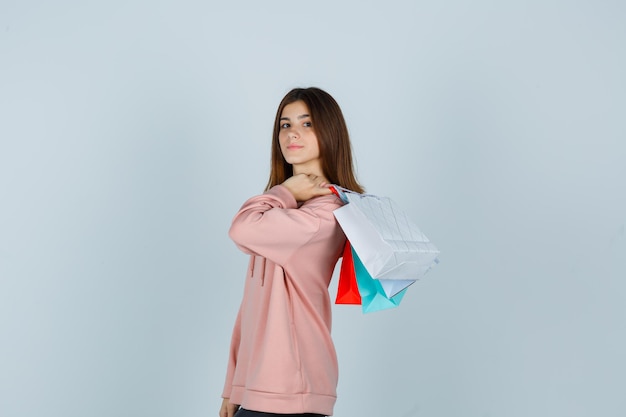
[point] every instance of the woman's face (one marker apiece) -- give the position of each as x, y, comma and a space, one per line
297, 139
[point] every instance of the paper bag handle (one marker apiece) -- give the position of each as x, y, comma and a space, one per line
340, 192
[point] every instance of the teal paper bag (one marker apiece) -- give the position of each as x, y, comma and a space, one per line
373, 297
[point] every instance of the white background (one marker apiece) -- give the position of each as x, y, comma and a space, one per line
131, 132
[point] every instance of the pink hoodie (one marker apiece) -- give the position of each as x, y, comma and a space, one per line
282, 357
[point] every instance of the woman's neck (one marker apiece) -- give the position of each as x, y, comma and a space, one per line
309, 169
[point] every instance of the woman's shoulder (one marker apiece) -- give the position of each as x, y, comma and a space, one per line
325, 202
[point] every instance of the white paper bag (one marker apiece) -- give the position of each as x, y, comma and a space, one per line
390, 246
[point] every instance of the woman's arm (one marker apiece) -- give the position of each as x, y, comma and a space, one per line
271, 225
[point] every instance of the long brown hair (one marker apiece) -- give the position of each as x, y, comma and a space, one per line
332, 137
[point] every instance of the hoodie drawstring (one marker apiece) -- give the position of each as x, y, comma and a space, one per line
253, 267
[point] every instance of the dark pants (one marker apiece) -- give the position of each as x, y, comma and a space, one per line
248, 413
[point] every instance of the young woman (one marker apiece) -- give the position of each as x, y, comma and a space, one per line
282, 358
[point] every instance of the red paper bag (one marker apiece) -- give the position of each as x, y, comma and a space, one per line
347, 289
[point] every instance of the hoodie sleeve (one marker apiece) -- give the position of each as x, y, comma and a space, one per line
271, 225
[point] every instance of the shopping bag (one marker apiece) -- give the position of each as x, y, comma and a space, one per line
390, 246
373, 296
347, 288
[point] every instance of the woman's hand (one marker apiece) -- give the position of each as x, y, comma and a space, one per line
306, 186
228, 409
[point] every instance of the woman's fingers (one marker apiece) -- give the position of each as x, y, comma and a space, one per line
306, 186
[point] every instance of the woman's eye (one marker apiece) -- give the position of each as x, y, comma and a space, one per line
307, 124
284, 126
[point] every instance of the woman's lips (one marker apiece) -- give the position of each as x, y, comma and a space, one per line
294, 147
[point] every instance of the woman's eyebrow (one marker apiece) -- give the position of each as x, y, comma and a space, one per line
302, 116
